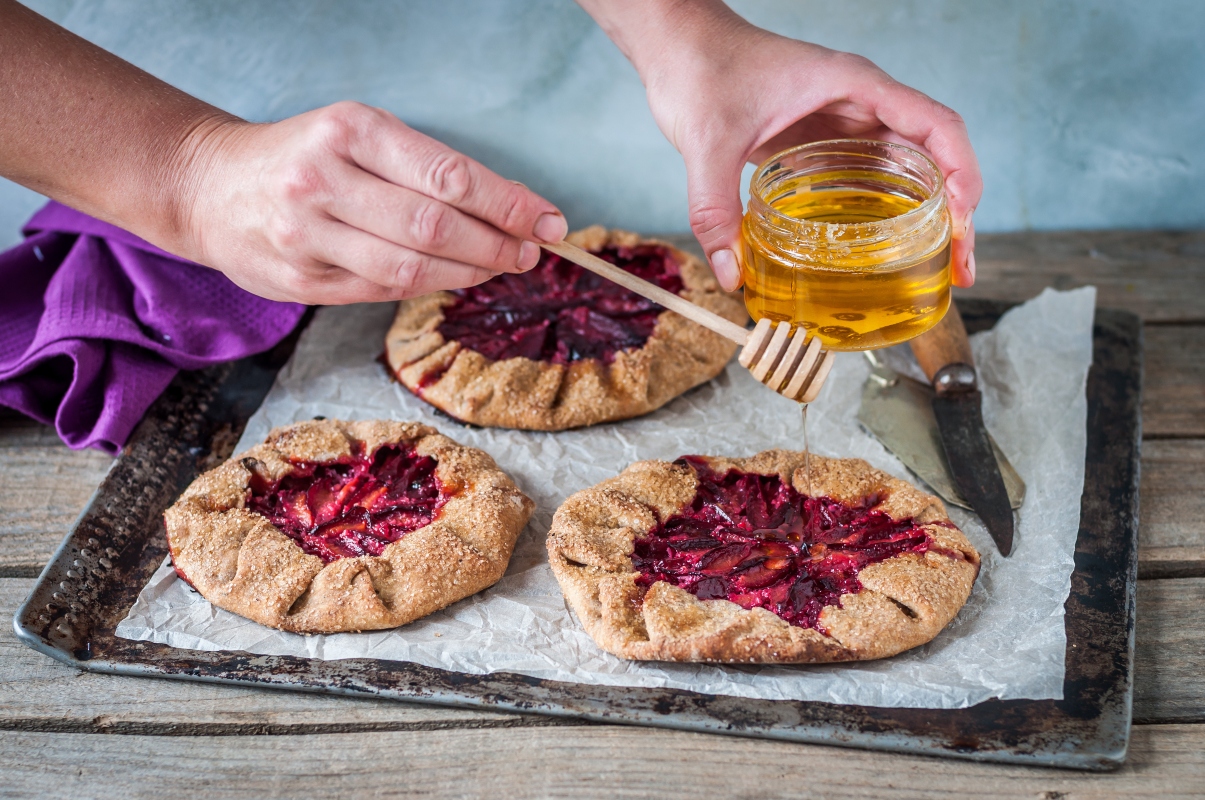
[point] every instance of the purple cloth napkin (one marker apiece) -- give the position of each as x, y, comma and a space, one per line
95, 322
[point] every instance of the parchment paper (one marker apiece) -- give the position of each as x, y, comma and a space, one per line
1007, 642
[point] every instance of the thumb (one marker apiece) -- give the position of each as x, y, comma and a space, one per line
713, 186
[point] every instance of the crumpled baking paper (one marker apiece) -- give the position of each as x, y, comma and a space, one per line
1007, 642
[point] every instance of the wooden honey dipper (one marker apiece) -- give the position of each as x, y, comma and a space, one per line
790, 365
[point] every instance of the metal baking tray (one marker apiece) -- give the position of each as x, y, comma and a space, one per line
118, 541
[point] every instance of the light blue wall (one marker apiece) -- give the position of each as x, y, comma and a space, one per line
1084, 114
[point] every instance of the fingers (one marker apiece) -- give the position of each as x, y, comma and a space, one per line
962, 257
403, 156
401, 272
346, 203
942, 133
423, 224
713, 186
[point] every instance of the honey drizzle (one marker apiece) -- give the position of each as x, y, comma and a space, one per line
807, 449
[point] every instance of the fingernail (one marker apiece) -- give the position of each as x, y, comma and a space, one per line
727, 271
529, 255
550, 228
971, 266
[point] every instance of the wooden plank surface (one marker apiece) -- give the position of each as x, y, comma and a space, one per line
1169, 653
1166, 761
1173, 386
1172, 499
194, 735
45, 486
1159, 275
40, 694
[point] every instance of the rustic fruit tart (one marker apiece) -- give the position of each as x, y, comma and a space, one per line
346, 526
560, 347
742, 561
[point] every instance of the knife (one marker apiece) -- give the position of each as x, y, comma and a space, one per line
899, 412
944, 353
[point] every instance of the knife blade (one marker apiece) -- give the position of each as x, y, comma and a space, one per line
944, 353
899, 412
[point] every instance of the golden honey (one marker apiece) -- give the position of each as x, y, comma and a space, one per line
849, 239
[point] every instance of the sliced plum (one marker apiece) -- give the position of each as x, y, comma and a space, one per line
353, 507
560, 313
756, 541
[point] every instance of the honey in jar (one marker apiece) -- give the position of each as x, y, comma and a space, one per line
849, 239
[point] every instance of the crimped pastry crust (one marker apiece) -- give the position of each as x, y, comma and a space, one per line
905, 600
241, 562
537, 395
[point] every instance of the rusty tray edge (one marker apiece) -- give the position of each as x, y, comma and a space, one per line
115, 545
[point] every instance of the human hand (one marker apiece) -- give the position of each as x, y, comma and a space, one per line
347, 204
338, 205
728, 93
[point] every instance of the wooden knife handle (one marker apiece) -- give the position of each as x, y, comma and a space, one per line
945, 343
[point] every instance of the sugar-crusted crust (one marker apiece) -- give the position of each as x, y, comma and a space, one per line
241, 562
535, 395
905, 600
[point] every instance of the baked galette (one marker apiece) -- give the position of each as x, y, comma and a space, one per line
736, 560
560, 347
346, 526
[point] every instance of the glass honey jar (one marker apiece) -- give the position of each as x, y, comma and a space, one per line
850, 239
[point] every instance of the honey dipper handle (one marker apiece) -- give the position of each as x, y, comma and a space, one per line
943, 344
675, 303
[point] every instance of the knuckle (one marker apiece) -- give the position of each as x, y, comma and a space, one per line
516, 210
338, 123
289, 236
332, 128
302, 181
410, 274
448, 176
352, 108
505, 256
706, 218
303, 277
949, 115
305, 285
853, 61
431, 225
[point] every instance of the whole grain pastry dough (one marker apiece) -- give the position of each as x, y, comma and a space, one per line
559, 347
346, 526
733, 560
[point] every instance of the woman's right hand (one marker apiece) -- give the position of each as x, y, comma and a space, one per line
348, 204
338, 205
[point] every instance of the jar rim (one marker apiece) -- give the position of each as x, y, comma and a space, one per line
915, 217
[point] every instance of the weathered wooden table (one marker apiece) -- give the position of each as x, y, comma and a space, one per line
176, 737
